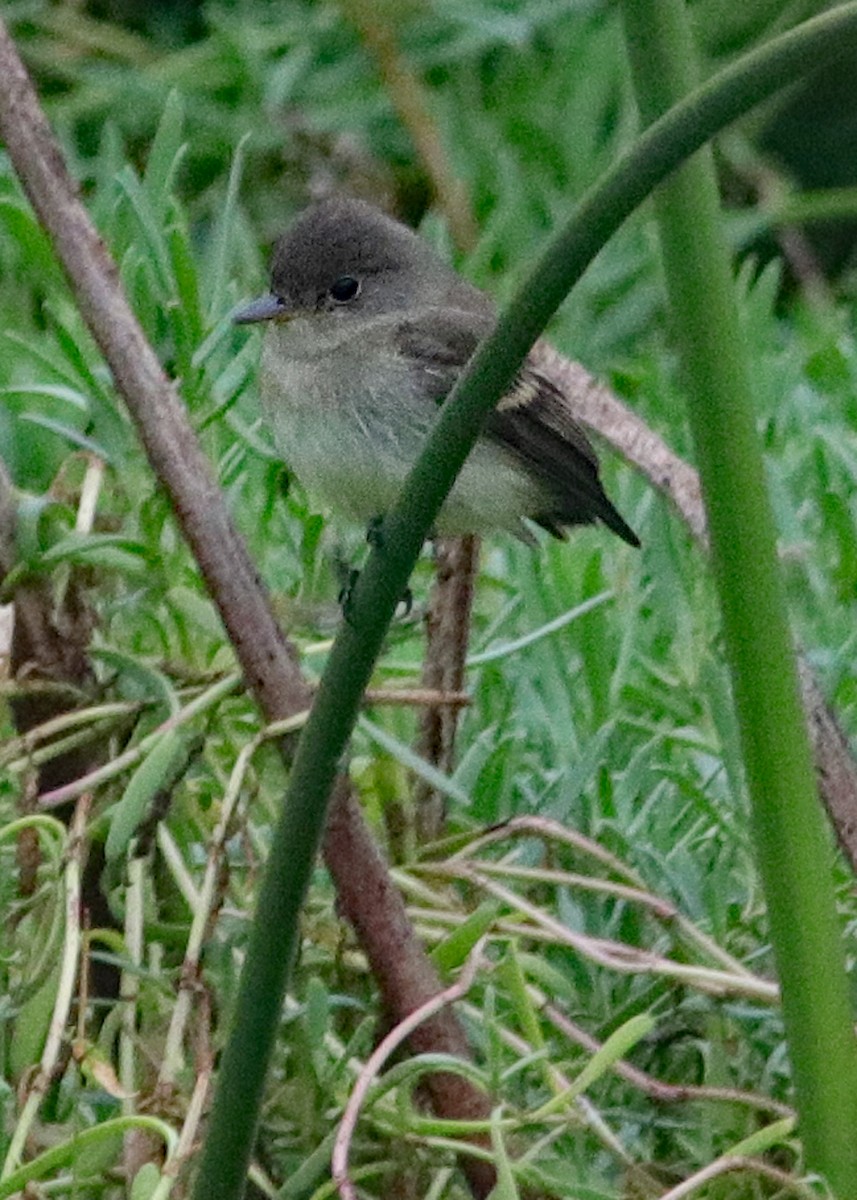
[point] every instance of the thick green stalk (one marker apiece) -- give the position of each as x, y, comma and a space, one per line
792, 844
274, 934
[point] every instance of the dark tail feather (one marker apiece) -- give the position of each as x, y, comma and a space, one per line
557, 522
615, 521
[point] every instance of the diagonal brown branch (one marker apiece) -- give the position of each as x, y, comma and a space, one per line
268, 661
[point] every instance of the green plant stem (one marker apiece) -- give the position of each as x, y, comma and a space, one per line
792, 844
602, 210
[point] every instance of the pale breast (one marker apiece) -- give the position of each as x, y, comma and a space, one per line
350, 423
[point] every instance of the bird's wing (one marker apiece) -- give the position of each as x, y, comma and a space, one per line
439, 342
533, 421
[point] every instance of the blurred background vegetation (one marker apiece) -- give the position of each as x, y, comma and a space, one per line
196, 132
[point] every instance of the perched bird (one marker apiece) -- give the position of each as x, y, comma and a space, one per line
368, 330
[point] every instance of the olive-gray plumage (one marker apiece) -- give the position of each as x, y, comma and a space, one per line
368, 330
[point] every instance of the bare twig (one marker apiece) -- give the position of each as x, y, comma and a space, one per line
555, 831
656, 1089
728, 1166
172, 1060
376, 1060
421, 697
625, 959
190, 1127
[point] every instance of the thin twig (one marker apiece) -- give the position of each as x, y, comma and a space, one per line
129, 758
376, 1060
546, 827
190, 1126
625, 959
428, 697
655, 1089
172, 1061
447, 637
727, 1166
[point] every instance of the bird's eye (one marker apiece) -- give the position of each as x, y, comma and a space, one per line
345, 289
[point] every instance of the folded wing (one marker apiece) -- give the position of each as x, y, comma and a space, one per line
533, 421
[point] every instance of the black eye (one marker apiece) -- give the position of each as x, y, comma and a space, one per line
345, 289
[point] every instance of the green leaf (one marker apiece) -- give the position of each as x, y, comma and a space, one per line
31, 1026
454, 949
139, 679
505, 1187
413, 761
32, 525
165, 155
68, 434
26, 232
51, 391
145, 1182
158, 771
223, 234
113, 550
186, 316
147, 220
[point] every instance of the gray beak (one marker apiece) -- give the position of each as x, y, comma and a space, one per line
263, 309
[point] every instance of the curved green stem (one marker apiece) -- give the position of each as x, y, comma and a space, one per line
600, 213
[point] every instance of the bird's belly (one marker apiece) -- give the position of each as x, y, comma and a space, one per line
352, 449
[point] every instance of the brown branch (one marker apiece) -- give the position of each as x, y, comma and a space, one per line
269, 662
447, 636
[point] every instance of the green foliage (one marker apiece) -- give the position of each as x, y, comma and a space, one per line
614, 722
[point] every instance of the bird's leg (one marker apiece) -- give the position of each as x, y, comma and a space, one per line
346, 593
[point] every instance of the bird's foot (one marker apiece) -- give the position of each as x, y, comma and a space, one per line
346, 596
375, 532
346, 592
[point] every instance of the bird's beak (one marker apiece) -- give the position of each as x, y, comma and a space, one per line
266, 308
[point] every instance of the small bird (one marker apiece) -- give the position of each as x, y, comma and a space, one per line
368, 330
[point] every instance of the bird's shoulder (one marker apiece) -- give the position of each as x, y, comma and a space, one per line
441, 341
444, 338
